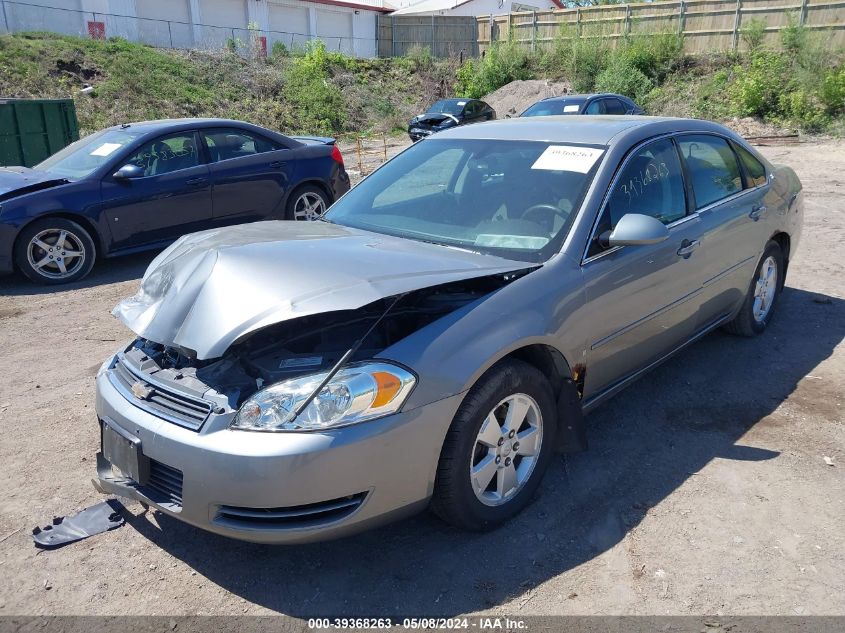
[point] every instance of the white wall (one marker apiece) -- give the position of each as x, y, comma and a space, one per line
151, 30
207, 23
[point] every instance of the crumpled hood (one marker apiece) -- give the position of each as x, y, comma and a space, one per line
208, 289
433, 119
20, 180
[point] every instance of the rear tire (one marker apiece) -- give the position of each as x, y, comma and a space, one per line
491, 464
54, 251
763, 293
308, 202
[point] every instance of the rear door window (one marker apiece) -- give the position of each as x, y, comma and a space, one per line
614, 106
712, 166
228, 143
753, 168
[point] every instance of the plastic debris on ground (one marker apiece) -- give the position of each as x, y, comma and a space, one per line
99, 518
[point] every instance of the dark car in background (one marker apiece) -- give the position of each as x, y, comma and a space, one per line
448, 113
140, 186
604, 103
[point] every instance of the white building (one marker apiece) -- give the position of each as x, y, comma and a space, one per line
345, 25
473, 7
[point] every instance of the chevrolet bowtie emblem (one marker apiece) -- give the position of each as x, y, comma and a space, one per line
141, 391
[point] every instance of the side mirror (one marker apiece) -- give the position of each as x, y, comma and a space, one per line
128, 172
634, 229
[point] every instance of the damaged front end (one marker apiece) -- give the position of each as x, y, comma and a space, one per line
282, 323
172, 383
429, 123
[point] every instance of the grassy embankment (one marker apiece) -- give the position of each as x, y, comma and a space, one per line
801, 85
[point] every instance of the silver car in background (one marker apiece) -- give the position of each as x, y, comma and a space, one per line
442, 331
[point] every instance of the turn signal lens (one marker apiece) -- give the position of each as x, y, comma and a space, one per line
387, 386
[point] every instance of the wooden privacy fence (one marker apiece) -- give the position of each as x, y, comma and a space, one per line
444, 36
706, 25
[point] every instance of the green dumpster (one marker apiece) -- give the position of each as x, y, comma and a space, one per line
33, 129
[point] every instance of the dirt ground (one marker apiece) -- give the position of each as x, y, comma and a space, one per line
705, 489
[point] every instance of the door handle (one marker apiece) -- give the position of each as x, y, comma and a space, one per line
687, 247
196, 182
758, 212
277, 164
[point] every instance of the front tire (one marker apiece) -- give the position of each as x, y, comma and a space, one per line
763, 293
54, 251
497, 448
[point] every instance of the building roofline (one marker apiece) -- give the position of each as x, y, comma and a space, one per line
353, 5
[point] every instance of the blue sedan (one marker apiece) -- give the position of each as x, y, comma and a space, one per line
140, 186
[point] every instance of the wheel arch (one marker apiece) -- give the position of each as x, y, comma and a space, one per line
783, 240
85, 223
566, 381
311, 181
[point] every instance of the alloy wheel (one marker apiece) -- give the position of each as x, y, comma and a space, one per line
506, 450
56, 253
309, 206
765, 289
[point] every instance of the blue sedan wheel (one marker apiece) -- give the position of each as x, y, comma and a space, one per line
308, 203
54, 251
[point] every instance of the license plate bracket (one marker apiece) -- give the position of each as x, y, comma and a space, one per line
123, 451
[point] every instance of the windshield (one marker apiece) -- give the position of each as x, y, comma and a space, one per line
83, 157
447, 106
550, 108
515, 199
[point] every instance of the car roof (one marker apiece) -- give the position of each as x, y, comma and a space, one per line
164, 124
587, 129
580, 98
455, 100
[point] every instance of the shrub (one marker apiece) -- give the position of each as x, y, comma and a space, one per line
832, 92
279, 50
804, 108
319, 101
624, 78
420, 56
587, 57
753, 34
756, 89
655, 56
503, 63
793, 36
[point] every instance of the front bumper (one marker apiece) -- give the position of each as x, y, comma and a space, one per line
8, 233
417, 134
280, 487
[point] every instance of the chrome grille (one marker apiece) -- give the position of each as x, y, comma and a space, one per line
175, 407
291, 517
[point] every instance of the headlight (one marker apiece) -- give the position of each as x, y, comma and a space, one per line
355, 394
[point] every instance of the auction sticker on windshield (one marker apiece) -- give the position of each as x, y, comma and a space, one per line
105, 149
568, 158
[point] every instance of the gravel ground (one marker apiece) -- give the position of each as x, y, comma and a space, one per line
705, 490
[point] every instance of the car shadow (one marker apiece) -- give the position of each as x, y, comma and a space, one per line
105, 271
644, 444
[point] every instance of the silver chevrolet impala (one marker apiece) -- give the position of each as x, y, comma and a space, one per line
442, 330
